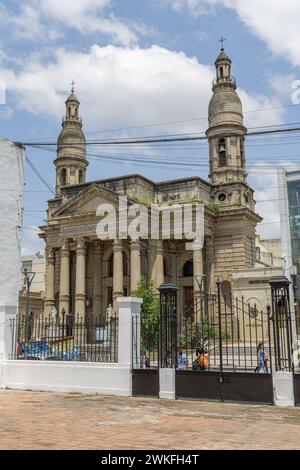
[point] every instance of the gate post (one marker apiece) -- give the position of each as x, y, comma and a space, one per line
220, 338
129, 330
283, 342
168, 341
8, 337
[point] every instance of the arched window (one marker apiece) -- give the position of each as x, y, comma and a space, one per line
242, 152
221, 72
63, 177
69, 111
188, 269
222, 152
226, 293
80, 177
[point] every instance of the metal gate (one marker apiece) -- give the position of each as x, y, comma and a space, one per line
216, 348
286, 332
145, 369
220, 348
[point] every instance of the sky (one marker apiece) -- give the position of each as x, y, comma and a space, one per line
144, 68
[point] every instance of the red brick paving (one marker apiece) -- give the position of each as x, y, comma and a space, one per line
41, 421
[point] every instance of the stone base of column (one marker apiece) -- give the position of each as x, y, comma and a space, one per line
167, 389
284, 389
117, 295
80, 306
64, 304
48, 306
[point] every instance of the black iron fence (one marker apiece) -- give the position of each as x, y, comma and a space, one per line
216, 333
221, 335
145, 345
65, 338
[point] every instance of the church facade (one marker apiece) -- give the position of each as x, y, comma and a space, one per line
85, 275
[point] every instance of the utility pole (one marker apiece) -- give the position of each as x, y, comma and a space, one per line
28, 279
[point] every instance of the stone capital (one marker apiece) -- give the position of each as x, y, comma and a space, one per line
135, 244
65, 248
118, 245
50, 254
81, 245
156, 245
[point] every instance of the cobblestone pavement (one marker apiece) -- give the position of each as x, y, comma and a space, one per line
30, 420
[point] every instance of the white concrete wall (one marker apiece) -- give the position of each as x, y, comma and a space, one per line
105, 379
76, 377
11, 206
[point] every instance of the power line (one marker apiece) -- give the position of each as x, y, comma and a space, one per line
157, 139
143, 126
146, 161
38, 174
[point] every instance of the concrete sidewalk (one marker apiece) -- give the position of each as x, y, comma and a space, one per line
30, 420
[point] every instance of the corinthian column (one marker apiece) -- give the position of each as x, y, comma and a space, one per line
156, 258
80, 295
98, 275
135, 274
50, 276
118, 288
64, 297
211, 285
198, 271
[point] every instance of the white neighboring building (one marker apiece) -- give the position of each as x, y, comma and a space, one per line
34, 264
252, 284
11, 210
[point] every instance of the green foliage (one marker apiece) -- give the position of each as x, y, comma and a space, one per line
195, 336
213, 207
149, 313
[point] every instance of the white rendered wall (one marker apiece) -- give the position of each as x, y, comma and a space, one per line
77, 377
11, 205
104, 379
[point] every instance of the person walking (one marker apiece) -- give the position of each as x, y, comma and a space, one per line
182, 361
202, 359
262, 359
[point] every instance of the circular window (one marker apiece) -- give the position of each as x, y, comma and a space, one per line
253, 312
222, 197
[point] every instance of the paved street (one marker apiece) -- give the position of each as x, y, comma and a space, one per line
51, 421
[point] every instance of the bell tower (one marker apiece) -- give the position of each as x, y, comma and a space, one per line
226, 133
236, 218
71, 163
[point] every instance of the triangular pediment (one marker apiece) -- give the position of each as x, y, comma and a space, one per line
88, 201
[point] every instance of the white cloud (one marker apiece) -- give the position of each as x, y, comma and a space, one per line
121, 86
196, 7
31, 243
273, 21
49, 19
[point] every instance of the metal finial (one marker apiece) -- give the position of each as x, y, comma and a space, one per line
73, 89
222, 40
